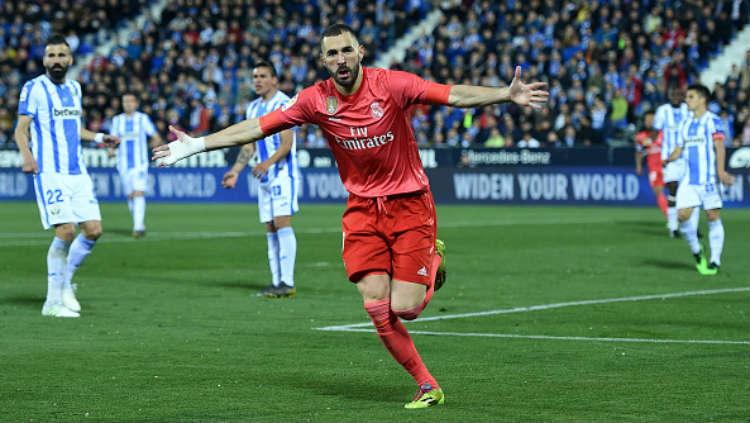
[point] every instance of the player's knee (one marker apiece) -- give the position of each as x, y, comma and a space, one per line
92, 232
407, 308
65, 232
684, 214
712, 215
408, 314
374, 287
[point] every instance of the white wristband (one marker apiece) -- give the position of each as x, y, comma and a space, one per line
99, 137
181, 149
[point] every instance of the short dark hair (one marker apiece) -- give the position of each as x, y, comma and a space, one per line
266, 64
337, 29
56, 39
701, 89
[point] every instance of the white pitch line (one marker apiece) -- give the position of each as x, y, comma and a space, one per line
565, 338
550, 306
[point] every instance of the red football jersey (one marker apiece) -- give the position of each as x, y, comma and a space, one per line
369, 131
650, 142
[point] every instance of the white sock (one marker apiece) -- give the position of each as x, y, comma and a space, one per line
287, 254
716, 239
273, 257
130, 205
696, 217
672, 223
689, 229
139, 211
79, 250
56, 263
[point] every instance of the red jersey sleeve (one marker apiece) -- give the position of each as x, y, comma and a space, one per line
295, 112
411, 89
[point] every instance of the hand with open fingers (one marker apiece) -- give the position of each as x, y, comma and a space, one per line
533, 94
184, 146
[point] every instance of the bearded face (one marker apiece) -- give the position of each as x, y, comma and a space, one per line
57, 59
341, 56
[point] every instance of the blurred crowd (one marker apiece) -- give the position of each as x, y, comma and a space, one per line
24, 28
606, 62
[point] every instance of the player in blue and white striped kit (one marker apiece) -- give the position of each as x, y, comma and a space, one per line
668, 119
278, 175
134, 129
701, 144
50, 111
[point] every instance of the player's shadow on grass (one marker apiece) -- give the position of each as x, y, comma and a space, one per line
648, 228
350, 388
667, 264
23, 301
253, 286
120, 231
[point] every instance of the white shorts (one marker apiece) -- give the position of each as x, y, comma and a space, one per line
134, 179
689, 196
278, 198
674, 171
65, 199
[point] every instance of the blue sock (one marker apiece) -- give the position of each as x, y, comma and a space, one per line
79, 250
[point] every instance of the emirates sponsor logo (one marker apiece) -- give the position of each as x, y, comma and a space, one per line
361, 140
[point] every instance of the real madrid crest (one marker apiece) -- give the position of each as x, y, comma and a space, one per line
376, 110
332, 104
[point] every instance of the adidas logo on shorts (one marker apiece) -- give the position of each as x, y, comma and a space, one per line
422, 271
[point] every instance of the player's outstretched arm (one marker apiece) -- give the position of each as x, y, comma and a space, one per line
244, 132
532, 94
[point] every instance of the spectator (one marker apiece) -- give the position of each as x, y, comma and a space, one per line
495, 140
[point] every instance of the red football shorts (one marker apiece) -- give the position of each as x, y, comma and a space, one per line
656, 176
391, 234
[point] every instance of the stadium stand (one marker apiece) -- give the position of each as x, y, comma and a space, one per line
192, 66
606, 63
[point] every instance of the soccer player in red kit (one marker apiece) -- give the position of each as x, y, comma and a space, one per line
389, 225
649, 140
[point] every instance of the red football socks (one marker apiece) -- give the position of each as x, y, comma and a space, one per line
397, 340
661, 200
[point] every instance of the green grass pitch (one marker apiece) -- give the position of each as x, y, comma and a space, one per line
171, 329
